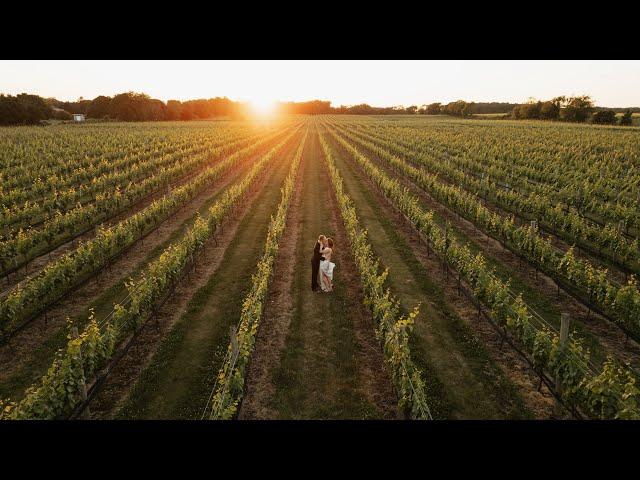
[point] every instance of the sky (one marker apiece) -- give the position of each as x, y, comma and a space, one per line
343, 82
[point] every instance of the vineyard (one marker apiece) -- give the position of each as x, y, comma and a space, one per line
486, 269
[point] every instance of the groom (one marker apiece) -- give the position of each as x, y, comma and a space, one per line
315, 262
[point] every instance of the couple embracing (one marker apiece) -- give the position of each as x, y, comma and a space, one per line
322, 266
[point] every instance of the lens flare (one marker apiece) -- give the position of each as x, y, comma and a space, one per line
263, 107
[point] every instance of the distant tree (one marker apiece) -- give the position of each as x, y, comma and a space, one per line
187, 112
174, 110
434, 109
493, 107
23, 109
313, 107
577, 109
549, 110
627, 118
604, 117
530, 110
468, 109
60, 114
459, 108
100, 107
412, 110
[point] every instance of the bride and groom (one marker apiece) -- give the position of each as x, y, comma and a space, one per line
322, 266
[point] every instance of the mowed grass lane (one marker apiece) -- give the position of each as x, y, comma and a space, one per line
462, 380
538, 294
180, 377
31, 369
320, 373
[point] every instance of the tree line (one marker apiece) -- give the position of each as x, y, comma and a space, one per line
131, 106
569, 109
24, 109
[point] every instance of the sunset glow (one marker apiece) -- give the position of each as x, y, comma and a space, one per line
343, 82
263, 107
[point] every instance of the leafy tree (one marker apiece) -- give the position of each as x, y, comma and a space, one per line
313, 107
459, 108
577, 109
434, 109
60, 114
468, 109
549, 110
412, 110
174, 110
23, 109
626, 119
530, 110
604, 117
100, 107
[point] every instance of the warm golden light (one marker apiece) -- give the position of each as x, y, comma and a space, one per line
263, 107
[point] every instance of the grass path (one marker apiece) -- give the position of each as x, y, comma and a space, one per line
462, 379
35, 364
178, 381
330, 366
538, 291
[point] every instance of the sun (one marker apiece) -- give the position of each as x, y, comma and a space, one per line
263, 107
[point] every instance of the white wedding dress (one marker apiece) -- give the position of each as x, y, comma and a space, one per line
326, 268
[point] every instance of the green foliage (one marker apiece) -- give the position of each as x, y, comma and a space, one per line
231, 377
392, 329
627, 118
63, 274
577, 109
23, 109
59, 391
594, 283
604, 117
569, 363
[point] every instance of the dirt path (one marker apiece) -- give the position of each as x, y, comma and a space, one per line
327, 363
464, 380
539, 291
277, 315
181, 374
41, 261
121, 381
614, 272
29, 353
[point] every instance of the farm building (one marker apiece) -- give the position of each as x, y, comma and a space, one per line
78, 117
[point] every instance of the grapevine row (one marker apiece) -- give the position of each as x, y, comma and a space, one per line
29, 244
60, 391
58, 277
392, 329
609, 242
610, 393
36, 211
620, 303
229, 388
44, 170
595, 175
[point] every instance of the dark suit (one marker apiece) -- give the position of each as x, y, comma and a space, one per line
315, 266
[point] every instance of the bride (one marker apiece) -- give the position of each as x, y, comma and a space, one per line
326, 267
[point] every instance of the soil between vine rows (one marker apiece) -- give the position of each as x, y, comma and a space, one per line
316, 355
467, 375
38, 263
180, 375
539, 291
30, 352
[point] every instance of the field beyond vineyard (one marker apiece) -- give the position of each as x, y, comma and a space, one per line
486, 269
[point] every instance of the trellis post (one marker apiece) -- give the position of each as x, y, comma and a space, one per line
565, 321
83, 382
